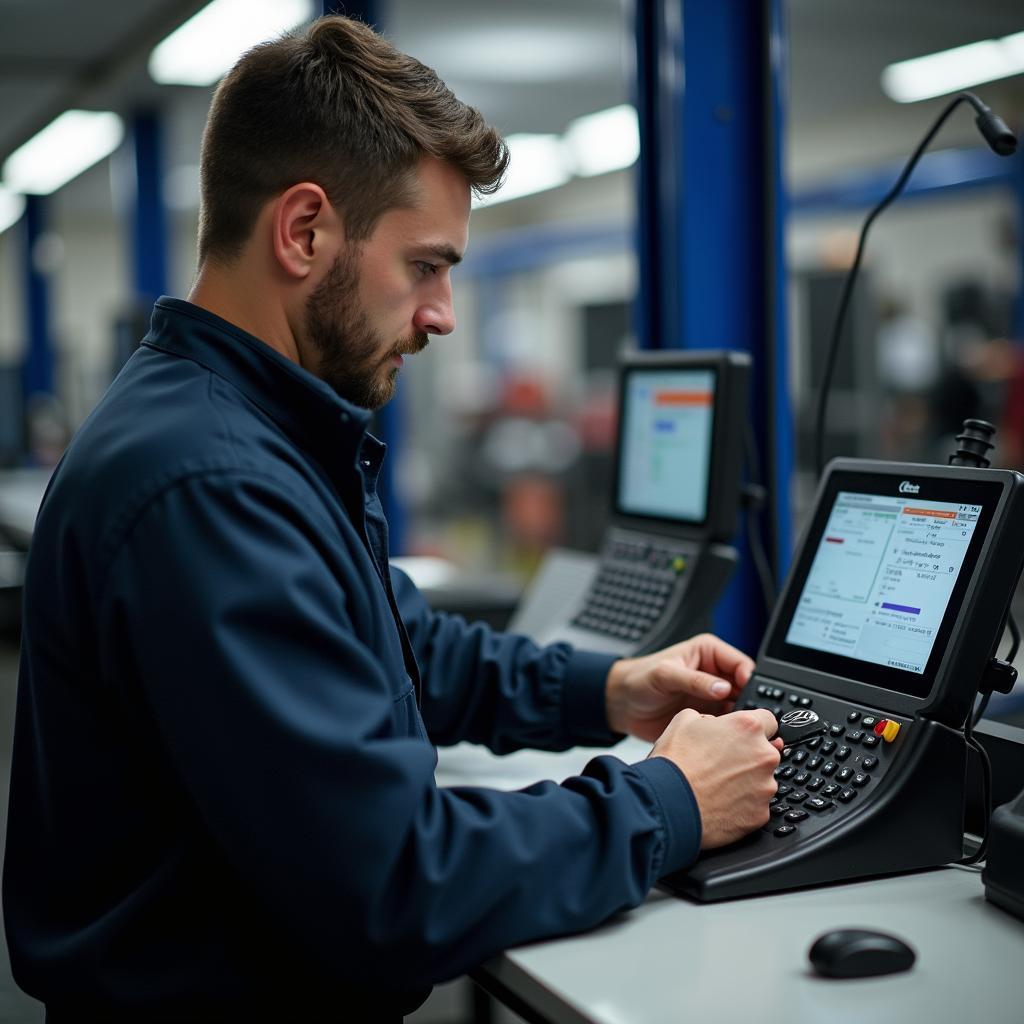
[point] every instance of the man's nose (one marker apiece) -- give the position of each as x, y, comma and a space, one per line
437, 316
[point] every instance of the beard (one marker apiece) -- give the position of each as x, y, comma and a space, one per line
353, 358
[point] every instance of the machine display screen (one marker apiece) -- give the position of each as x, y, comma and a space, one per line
665, 443
881, 577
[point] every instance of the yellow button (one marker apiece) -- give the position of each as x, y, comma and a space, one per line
891, 731
679, 564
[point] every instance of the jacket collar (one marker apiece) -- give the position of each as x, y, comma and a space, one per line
302, 404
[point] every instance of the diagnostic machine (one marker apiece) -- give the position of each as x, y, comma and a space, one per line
665, 555
887, 625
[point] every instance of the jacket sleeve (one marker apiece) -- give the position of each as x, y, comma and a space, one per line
499, 689
277, 719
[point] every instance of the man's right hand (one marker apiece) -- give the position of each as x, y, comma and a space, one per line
729, 762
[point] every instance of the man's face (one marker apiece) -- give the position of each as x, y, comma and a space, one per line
382, 297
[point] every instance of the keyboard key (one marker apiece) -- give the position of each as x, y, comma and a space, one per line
817, 803
831, 789
869, 763
828, 746
829, 768
787, 753
853, 716
871, 740
797, 816
805, 702
785, 830
854, 737
860, 779
815, 763
868, 722
778, 810
783, 790
814, 785
844, 774
843, 753
800, 779
813, 743
847, 795
798, 796
799, 757
836, 730
787, 773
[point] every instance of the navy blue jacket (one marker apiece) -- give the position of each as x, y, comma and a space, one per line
223, 796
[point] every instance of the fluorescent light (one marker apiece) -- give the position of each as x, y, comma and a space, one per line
62, 150
12, 206
606, 141
952, 70
536, 163
208, 44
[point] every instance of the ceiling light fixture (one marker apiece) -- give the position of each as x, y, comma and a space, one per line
950, 71
536, 163
68, 145
202, 49
12, 206
606, 141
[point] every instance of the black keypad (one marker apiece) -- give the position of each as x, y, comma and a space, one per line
633, 587
788, 772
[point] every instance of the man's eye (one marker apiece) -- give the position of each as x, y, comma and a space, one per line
425, 268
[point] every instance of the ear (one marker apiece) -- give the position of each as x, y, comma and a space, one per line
306, 229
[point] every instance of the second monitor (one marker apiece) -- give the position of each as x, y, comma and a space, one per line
664, 557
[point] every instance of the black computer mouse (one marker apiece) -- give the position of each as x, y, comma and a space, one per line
859, 953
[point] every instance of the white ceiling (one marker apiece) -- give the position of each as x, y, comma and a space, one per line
532, 65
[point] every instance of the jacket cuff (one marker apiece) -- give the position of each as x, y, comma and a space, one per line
679, 812
584, 713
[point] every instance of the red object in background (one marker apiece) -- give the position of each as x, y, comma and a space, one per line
533, 510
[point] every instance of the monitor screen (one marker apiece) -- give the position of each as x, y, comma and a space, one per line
881, 577
665, 441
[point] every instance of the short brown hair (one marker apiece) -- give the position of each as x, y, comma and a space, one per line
340, 106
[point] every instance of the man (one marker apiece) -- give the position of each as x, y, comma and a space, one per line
223, 803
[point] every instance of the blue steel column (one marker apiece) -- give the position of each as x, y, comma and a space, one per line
710, 234
149, 214
389, 422
37, 365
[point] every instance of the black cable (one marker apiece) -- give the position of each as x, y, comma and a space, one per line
1011, 655
986, 795
998, 142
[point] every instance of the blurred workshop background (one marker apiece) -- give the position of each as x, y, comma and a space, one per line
626, 221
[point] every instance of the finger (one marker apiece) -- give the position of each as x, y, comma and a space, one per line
726, 661
693, 682
767, 721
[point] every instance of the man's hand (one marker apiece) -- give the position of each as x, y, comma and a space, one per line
729, 763
704, 673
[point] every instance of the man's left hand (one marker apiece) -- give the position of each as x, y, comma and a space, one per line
643, 694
